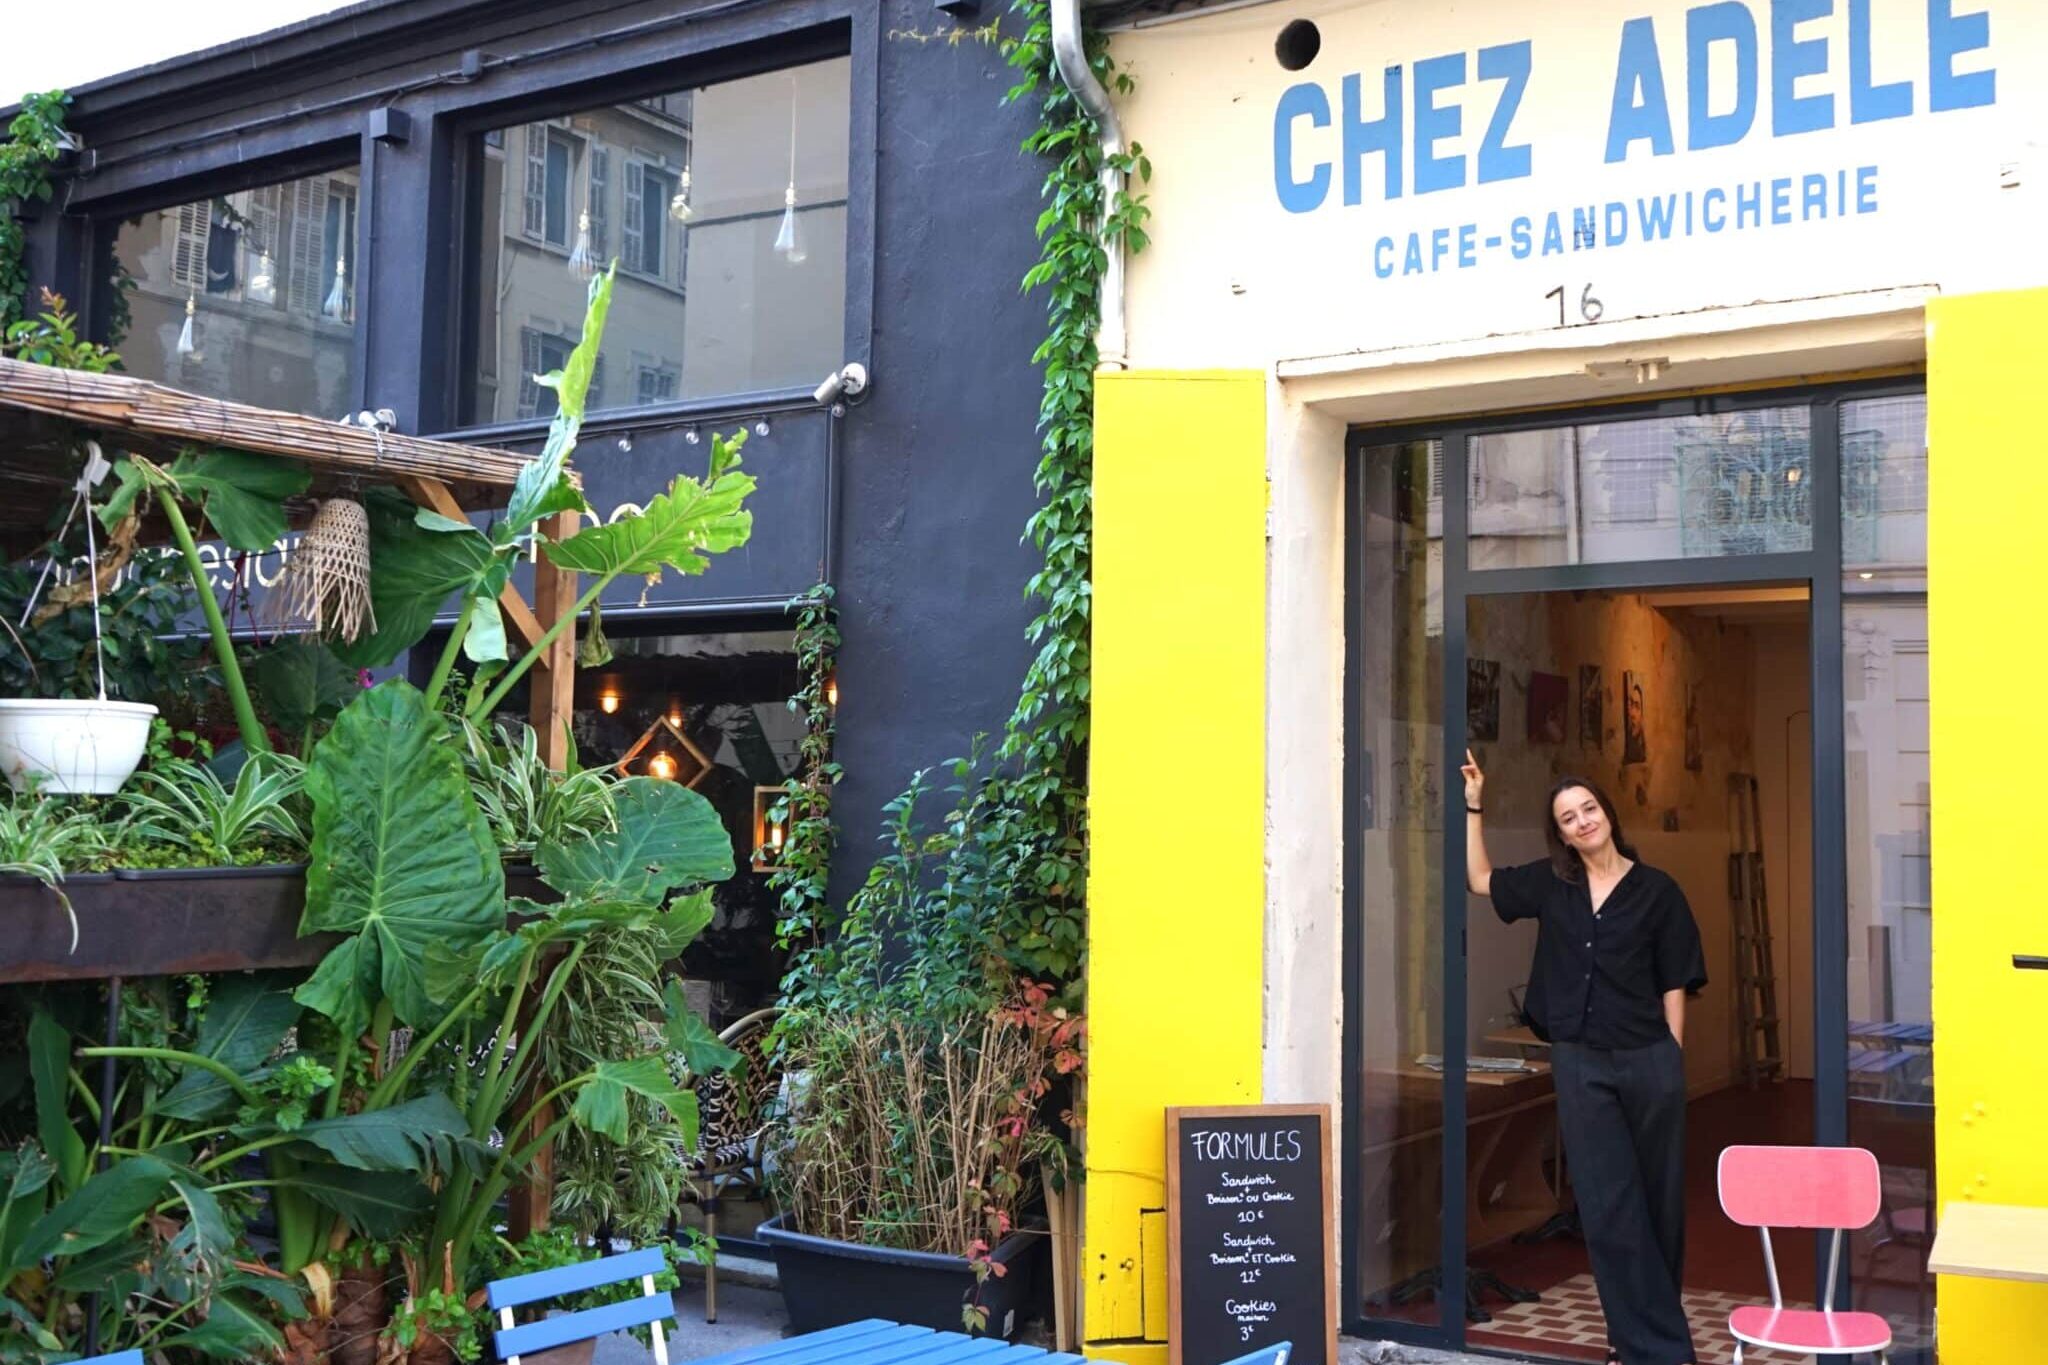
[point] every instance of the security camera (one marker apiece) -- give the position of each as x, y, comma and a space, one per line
849, 382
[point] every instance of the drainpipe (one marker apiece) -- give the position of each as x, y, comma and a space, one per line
1071, 57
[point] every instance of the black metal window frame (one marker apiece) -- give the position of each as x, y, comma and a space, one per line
1820, 568
461, 146
323, 157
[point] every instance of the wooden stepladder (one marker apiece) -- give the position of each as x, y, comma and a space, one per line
1759, 1054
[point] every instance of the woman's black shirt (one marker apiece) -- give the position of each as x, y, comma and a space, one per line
1600, 979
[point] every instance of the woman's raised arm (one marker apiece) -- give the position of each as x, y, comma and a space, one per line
1478, 867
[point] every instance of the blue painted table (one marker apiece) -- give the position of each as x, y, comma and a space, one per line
876, 1342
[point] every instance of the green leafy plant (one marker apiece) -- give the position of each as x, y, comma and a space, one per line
803, 870
42, 837
526, 802
187, 806
51, 338
35, 139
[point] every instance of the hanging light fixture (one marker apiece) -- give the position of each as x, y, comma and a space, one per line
336, 306
679, 207
789, 241
262, 286
662, 767
186, 344
582, 260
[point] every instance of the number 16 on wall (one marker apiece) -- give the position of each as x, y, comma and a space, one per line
1590, 308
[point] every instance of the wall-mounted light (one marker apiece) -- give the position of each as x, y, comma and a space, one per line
832, 690
662, 767
608, 701
771, 831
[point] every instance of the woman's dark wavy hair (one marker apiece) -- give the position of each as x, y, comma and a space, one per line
1564, 859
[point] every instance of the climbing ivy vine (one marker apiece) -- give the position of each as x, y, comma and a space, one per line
34, 141
1046, 740
1019, 832
805, 808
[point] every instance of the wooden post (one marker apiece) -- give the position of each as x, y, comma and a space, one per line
551, 685
552, 681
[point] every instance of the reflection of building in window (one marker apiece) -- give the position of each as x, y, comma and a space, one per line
657, 383
1634, 459
540, 353
685, 191
269, 276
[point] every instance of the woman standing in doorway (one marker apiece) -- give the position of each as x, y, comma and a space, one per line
1617, 952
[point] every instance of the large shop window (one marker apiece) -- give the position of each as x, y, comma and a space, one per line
248, 296
725, 208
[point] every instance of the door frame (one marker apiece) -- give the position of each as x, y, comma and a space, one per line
1819, 568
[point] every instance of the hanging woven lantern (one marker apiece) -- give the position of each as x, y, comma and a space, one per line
327, 580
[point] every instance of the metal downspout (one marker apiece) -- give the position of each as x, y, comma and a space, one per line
1071, 57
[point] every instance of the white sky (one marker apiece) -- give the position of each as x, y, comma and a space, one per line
52, 43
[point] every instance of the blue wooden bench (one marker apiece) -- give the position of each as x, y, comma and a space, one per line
118, 1358
650, 1310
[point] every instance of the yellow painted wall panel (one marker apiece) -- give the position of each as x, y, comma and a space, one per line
1176, 807
1987, 499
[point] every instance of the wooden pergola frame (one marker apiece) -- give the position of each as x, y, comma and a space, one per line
47, 414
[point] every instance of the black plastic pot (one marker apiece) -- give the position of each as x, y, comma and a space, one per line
828, 1284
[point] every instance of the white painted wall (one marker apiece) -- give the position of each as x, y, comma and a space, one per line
1958, 201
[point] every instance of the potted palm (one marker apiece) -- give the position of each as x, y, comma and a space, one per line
909, 1157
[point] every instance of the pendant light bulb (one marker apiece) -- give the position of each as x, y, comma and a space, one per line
582, 263
679, 207
789, 241
263, 280
336, 306
186, 345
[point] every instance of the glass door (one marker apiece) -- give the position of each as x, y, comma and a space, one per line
1633, 596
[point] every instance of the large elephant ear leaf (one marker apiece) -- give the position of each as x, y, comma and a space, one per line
414, 571
247, 1017
300, 682
544, 487
602, 1107
702, 1050
426, 1134
667, 837
242, 495
401, 857
676, 530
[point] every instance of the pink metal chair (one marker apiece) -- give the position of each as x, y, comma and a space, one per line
1832, 1188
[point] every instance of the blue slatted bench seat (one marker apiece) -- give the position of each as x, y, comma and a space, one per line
650, 1309
876, 1342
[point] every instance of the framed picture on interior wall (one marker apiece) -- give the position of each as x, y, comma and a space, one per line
1590, 709
1633, 747
1550, 697
1695, 751
1482, 700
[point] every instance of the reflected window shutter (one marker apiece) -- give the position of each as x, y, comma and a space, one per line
309, 235
534, 222
600, 199
529, 366
188, 254
633, 250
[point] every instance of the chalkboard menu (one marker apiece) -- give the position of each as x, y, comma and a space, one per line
1251, 1233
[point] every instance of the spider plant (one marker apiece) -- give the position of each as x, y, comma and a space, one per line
40, 837
187, 806
526, 802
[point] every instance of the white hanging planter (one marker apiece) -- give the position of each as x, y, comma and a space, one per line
72, 748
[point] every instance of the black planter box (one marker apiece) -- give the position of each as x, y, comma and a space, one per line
829, 1284
152, 922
